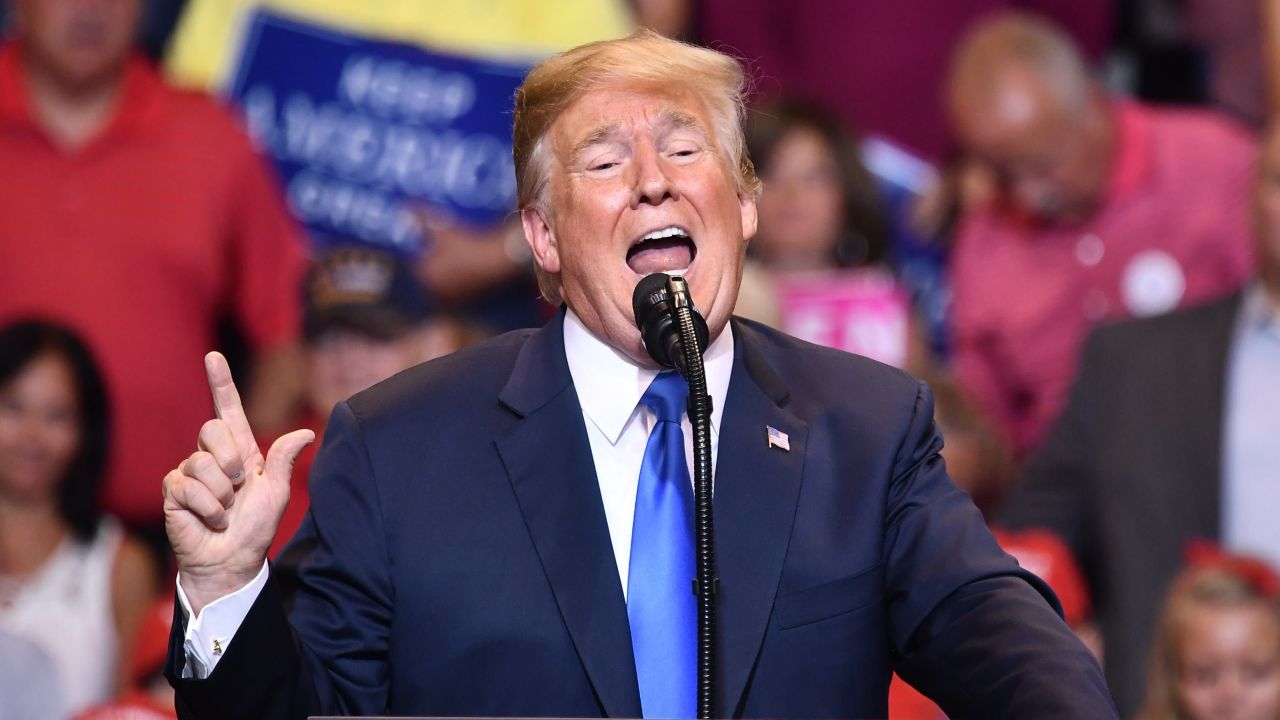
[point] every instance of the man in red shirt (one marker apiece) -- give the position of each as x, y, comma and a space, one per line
1105, 209
140, 216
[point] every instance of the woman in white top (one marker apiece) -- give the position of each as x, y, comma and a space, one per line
70, 581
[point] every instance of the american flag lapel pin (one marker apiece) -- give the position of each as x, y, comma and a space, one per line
778, 439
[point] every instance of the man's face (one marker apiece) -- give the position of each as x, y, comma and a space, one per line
344, 362
80, 43
1049, 160
637, 185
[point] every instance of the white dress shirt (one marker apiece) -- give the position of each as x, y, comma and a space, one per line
609, 388
1250, 440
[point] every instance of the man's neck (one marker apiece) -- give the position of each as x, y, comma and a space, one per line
1270, 283
71, 115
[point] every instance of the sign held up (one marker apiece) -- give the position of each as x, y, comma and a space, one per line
362, 130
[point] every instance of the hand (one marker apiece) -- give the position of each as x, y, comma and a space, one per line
222, 505
464, 262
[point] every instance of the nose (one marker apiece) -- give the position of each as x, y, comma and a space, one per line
653, 186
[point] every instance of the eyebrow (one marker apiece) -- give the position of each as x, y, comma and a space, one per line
670, 119
677, 119
598, 135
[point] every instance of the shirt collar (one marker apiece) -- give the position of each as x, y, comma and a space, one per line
1131, 162
13, 93
135, 105
1257, 312
610, 385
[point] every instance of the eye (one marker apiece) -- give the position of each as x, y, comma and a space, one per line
1259, 671
1201, 675
604, 164
61, 416
684, 153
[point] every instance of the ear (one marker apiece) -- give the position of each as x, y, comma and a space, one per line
747, 206
541, 239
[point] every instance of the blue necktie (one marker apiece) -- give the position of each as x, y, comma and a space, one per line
660, 602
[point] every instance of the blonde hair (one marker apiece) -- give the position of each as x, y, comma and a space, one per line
1214, 586
645, 57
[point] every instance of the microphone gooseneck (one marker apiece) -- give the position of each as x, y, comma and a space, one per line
675, 335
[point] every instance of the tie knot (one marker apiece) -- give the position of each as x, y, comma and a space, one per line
666, 395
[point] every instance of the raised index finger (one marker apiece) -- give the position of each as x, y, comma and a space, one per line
226, 402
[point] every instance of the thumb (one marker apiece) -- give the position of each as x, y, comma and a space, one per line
284, 451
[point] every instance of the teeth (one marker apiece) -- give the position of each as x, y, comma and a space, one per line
672, 231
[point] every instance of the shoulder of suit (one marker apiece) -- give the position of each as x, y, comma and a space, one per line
823, 371
1192, 323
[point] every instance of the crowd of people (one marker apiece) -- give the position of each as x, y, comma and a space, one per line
1107, 376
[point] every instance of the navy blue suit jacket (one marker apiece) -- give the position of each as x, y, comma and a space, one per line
457, 559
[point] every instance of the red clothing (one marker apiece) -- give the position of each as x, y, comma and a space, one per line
908, 703
133, 706
140, 242
1174, 229
880, 63
151, 641
299, 497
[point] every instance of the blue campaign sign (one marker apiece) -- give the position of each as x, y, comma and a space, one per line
363, 130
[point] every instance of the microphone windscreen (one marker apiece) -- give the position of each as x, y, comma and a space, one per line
650, 291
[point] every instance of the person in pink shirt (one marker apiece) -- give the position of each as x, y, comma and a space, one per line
880, 64
1104, 209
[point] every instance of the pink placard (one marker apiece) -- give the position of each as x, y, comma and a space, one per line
859, 311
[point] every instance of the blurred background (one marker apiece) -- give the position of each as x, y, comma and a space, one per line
1063, 214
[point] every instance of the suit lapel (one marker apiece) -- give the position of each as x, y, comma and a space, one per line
548, 458
756, 492
1204, 372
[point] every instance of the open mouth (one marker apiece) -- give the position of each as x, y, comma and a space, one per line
662, 250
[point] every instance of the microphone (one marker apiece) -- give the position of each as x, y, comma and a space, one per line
675, 335
654, 302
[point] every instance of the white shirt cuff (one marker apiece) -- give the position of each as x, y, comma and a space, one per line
210, 633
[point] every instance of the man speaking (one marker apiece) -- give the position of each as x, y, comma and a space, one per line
492, 533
